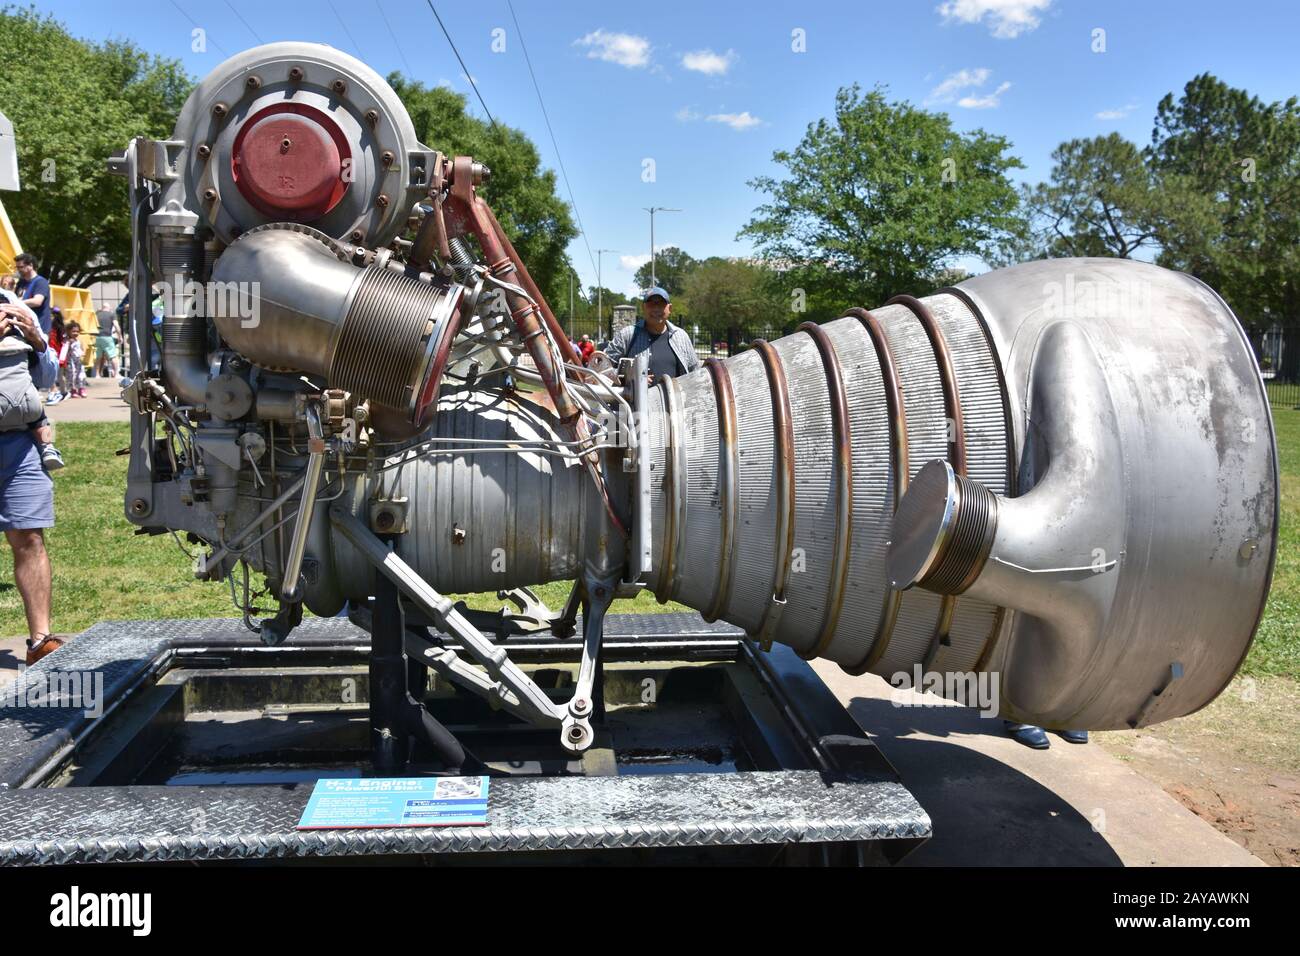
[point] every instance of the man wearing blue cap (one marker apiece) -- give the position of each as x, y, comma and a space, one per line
671, 351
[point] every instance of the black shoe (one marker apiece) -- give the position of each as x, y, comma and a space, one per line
1029, 735
1075, 736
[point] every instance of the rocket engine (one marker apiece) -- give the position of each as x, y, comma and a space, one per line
1064, 472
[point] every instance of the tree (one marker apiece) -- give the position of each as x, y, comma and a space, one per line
73, 104
1228, 166
1100, 201
672, 267
735, 295
879, 198
521, 193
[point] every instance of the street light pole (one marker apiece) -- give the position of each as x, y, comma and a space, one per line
654, 279
600, 289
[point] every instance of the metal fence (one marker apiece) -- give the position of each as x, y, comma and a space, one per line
710, 340
1278, 353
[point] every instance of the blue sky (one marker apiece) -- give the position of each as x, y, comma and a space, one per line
709, 90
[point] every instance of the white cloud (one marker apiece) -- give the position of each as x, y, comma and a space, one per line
986, 102
1007, 18
1120, 113
632, 263
737, 121
686, 115
946, 91
706, 61
625, 49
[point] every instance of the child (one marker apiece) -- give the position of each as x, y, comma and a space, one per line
76, 371
58, 342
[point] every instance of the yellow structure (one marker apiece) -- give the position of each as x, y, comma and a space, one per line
75, 304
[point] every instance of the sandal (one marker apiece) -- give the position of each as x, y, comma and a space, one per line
46, 645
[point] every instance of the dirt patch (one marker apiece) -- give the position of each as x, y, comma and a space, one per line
1235, 764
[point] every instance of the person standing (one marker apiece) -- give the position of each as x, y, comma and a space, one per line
34, 289
26, 491
34, 292
106, 345
76, 356
672, 353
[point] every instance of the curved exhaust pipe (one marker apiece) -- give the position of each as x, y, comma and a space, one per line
372, 331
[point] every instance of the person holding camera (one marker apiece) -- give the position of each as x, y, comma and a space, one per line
26, 491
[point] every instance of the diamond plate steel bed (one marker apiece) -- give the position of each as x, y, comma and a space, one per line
832, 794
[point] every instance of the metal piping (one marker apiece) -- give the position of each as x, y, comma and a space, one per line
306, 504
675, 481
897, 455
783, 444
729, 475
956, 441
843, 460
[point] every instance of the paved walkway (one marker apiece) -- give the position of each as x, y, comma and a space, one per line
103, 403
996, 802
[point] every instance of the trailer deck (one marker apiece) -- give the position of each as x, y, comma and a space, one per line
709, 750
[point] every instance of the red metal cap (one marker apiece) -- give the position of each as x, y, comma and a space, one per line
289, 161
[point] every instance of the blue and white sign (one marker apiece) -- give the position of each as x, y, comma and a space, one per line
396, 802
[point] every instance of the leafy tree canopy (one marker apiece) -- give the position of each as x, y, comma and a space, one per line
73, 104
672, 267
1228, 166
879, 199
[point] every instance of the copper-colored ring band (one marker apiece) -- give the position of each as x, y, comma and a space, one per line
728, 481
673, 478
898, 455
966, 300
843, 486
783, 466
956, 446
947, 377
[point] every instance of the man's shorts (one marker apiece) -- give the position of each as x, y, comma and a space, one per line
26, 492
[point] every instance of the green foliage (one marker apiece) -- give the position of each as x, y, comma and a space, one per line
879, 199
1228, 166
733, 294
73, 104
672, 268
1100, 201
520, 192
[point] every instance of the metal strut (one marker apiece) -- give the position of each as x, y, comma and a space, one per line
504, 681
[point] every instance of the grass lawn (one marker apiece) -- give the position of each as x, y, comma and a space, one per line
103, 570
1277, 644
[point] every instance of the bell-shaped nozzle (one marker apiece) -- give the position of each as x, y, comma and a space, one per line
1130, 609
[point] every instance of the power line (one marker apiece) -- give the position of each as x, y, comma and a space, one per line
463, 67
355, 45
559, 159
243, 21
383, 16
196, 26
